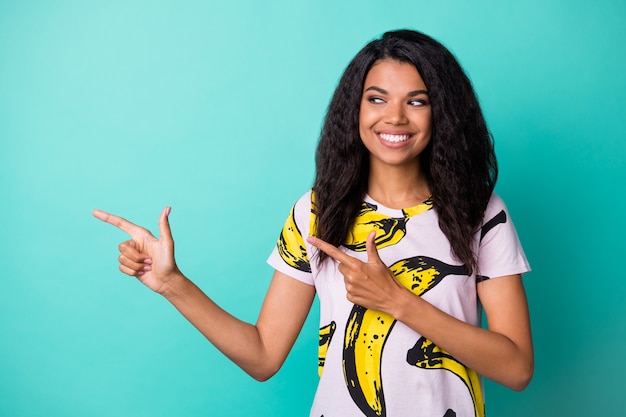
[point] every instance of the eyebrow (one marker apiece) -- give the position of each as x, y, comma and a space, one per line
383, 91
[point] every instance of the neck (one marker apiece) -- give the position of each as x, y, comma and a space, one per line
398, 187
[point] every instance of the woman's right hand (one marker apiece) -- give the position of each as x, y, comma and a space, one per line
259, 349
144, 256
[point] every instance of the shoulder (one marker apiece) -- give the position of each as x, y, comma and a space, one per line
495, 204
496, 211
301, 211
306, 199
500, 251
496, 219
304, 204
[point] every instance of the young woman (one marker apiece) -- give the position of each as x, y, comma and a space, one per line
401, 238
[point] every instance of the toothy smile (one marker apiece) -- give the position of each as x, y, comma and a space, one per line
393, 138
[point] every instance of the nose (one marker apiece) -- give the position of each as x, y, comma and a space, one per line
395, 114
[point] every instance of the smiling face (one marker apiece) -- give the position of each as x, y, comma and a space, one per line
395, 116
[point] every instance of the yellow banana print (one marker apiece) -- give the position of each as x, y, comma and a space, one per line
425, 354
393, 228
368, 330
390, 230
291, 245
366, 333
326, 334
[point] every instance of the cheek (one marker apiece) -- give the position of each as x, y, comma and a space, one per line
427, 123
366, 120
362, 124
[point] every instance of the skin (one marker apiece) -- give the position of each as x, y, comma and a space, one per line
258, 349
395, 102
503, 352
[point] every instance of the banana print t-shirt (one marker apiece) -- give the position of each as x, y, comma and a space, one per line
370, 364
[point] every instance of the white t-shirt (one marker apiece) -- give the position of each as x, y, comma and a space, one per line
370, 364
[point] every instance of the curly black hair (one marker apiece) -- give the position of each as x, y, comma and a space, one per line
459, 162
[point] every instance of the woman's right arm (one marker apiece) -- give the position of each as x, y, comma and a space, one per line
258, 349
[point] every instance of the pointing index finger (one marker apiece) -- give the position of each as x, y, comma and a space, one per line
132, 229
331, 250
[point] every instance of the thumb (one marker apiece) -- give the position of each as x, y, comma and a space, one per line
165, 233
370, 246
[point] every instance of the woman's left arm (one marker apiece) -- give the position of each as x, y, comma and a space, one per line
503, 352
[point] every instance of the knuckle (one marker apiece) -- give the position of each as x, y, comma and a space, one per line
123, 246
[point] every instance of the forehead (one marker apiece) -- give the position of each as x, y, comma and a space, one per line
394, 73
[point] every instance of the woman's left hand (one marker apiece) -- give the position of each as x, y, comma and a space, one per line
503, 352
369, 284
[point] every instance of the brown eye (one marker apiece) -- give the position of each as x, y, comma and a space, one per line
375, 100
418, 103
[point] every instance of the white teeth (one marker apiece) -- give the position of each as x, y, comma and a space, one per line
394, 138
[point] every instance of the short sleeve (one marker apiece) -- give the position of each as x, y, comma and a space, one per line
290, 255
500, 252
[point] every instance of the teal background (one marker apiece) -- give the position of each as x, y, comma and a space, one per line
214, 108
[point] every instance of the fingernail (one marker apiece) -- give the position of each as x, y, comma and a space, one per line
140, 273
147, 268
147, 261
